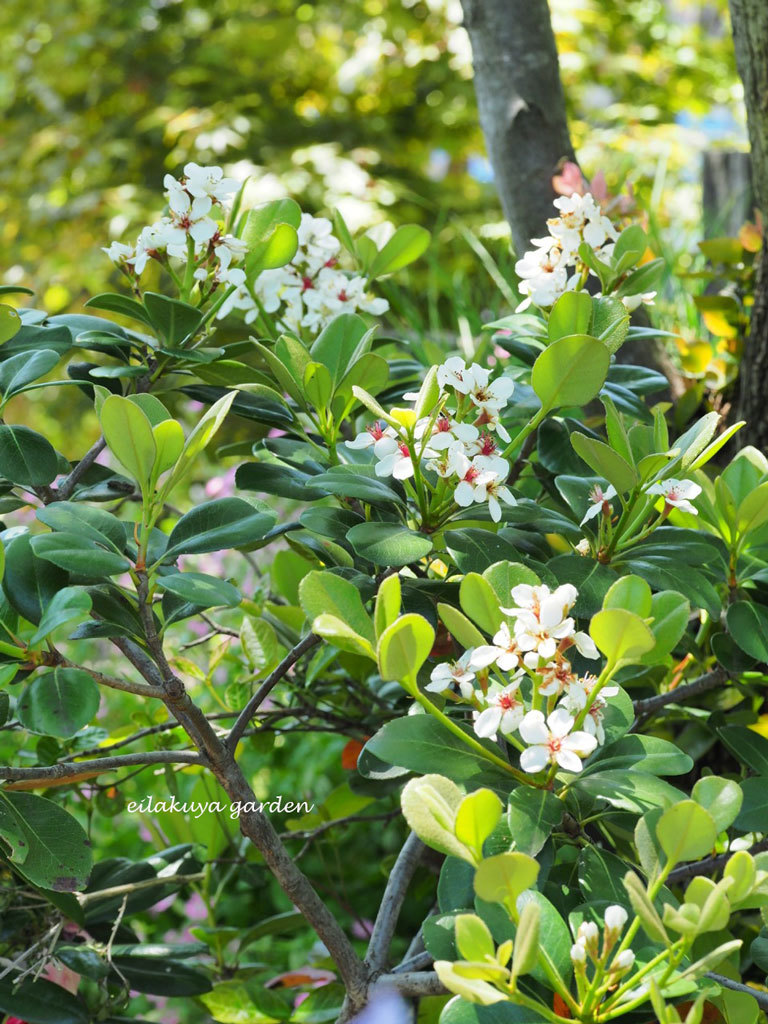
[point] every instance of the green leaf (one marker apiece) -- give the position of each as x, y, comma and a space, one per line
30, 583
606, 462
388, 603
92, 523
526, 948
459, 626
59, 702
571, 314
686, 832
570, 371
23, 369
388, 543
334, 629
201, 590
629, 791
477, 816
531, 816
215, 525
421, 744
234, 1002
747, 746
501, 879
41, 1002
503, 576
10, 323
641, 753
67, 604
670, 613
349, 482
406, 245
47, 844
752, 511
259, 643
79, 554
165, 977
403, 648
172, 319
473, 939
129, 435
480, 602
621, 635
748, 625
169, 441
631, 593
610, 322
641, 904
721, 797
121, 304
26, 457
338, 343
753, 793
203, 432
322, 593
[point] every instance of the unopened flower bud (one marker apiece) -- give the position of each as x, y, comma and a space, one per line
578, 954
583, 547
615, 918
623, 962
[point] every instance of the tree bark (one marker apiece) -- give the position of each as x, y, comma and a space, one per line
750, 37
521, 105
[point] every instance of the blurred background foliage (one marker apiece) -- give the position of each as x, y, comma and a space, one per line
368, 106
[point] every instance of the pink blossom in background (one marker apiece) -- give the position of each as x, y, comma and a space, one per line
276, 432
221, 486
195, 909
362, 929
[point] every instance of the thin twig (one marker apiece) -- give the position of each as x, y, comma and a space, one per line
415, 963
709, 681
70, 770
114, 683
67, 486
327, 825
392, 901
761, 998
412, 984
710, 865
84, 898
309, 641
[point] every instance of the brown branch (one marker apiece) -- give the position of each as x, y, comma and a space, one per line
710, 865
336, 823
67, 486
254, 824
392, 901
650, 705
70, 770
309, 641
126, 685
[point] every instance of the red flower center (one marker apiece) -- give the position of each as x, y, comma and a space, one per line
488, 445
376, 431
306, 284
404, 450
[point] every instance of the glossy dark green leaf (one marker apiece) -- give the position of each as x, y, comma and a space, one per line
46, 843
388, 543
41, 1002
200, 589
59, 702
215, 525
747, 746
78, 554
172, 319
26, 457
30, 583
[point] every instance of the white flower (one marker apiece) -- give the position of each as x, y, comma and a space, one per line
368, 437
229, 249
503, 711
208, 181
556, 677
394, 458
240, 299
583, 548
455, 374
541, 621
447, 432
504, 651
155, 239
496, 490
631, 302
487, 396
543, 273
677, 493
119, 253
552, 743
615, 918
598, 499
459, 672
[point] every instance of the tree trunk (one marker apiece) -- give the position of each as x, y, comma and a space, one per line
750, 36
521, 106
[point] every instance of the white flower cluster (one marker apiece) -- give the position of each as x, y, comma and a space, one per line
311, 290
676, 494
554, 266
534, 648
193, 202
587, 945
457, 444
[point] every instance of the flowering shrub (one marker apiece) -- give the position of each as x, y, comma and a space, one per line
495, 573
